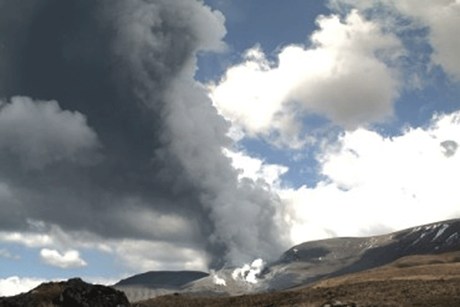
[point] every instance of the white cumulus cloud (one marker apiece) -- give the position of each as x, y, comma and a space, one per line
256, 169
14, 285
66, 260
442, 18
344, 75
133, 255
375, 184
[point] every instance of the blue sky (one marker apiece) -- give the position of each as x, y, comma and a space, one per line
278, 25
342, 118
272, 27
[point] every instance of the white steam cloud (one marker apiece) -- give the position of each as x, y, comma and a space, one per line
217, 280
249, 272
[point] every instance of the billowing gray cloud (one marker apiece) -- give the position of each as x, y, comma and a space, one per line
122, 73
40, 133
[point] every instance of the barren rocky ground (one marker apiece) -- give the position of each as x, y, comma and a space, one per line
430, 280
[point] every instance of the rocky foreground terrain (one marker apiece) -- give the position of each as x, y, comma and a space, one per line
430, 280
72, 293
415, 267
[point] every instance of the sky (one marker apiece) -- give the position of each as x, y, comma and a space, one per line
140, 135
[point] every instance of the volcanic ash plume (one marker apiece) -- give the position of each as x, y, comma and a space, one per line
133, 146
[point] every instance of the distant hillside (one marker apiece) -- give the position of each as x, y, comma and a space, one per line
424, 281
155, 283
162, 279
310, 262
316, 260
418, 267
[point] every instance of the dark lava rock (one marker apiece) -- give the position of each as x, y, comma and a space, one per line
72, 293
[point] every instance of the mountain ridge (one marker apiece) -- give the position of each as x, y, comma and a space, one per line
334, 263
309, 262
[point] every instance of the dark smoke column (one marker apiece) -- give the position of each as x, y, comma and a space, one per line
126, 69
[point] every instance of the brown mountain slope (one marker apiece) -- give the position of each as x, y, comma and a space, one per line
428, 280
419, 267
313, 261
